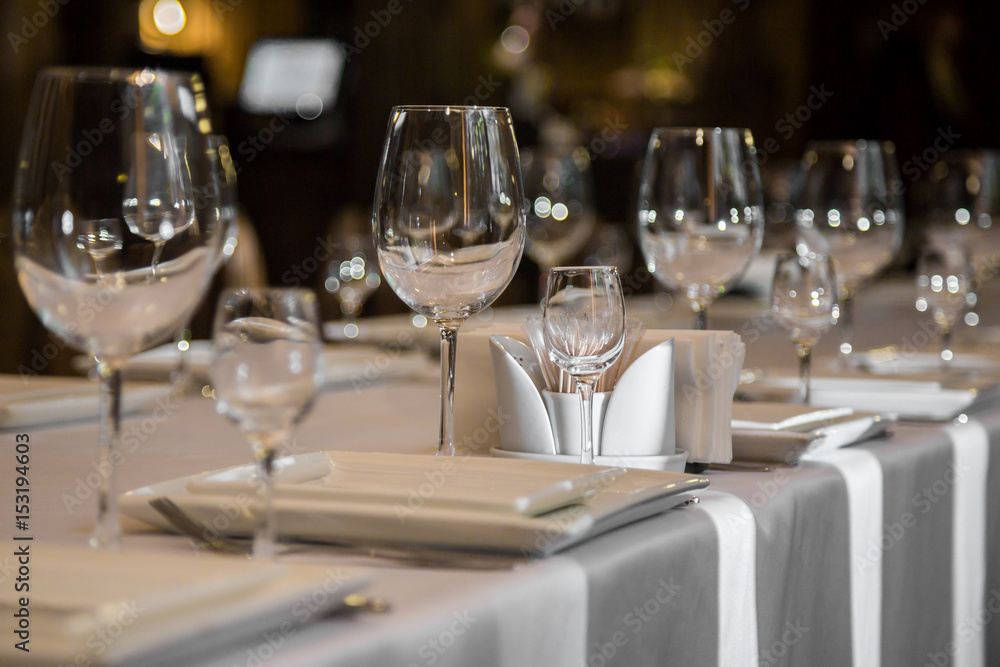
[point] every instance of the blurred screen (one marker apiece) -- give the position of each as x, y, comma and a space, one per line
300, 75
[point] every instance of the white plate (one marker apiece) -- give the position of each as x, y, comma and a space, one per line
472, 482
671, 463
784, 433
914, 397
619, 497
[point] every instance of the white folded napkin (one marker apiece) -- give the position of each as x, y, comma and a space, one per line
38, 401
911, 396
353, 366
786, 432
155, 608
707, 367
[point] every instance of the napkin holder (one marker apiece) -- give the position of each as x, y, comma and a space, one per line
636, 419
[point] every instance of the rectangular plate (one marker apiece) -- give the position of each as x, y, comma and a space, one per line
619, 496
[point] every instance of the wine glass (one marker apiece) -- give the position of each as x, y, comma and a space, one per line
583, 326
449, 220
850, 212
803, 299
558, 185
944, 277
701, 211
353, 276
963, 204
107, 152
216, 193
266, 373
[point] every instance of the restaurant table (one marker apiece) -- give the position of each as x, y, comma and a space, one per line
887, 552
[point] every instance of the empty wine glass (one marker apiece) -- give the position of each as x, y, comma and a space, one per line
701, 211
216, 194
353, 276
90, 192
803, 299
848, 212
963, 206
449, 220
559, 188
583, 326
944, 276
266, 373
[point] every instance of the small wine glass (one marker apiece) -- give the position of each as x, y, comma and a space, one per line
803, 299
352, 276
963, 193
944, 277
849, 209
558, 185
701, 211
449, 220
583, 326
266, 373
111, 250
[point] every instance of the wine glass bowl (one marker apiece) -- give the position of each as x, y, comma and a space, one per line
583, 329
560, 214
449, 219
700, 214
850, 210
803, 301
943, 281
105, 168
266, 373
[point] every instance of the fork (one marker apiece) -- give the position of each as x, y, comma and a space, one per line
421, 557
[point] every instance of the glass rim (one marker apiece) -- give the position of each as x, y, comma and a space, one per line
600, 267
810, 256
460, 108
268, 291
689, 129
110, 74
836, 144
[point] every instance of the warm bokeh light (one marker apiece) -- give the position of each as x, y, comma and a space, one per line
169, 17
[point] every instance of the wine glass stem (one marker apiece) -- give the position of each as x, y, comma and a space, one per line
701, 318
449, 342
585, 387
946, 354
847, 323
805, 371
264, 448
106, 529
157, 251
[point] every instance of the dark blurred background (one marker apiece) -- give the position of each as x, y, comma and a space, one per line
790, 70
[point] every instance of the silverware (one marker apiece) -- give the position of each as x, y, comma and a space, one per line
416, 556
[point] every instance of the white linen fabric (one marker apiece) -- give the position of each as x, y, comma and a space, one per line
737, 532
863, 476
971, 464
